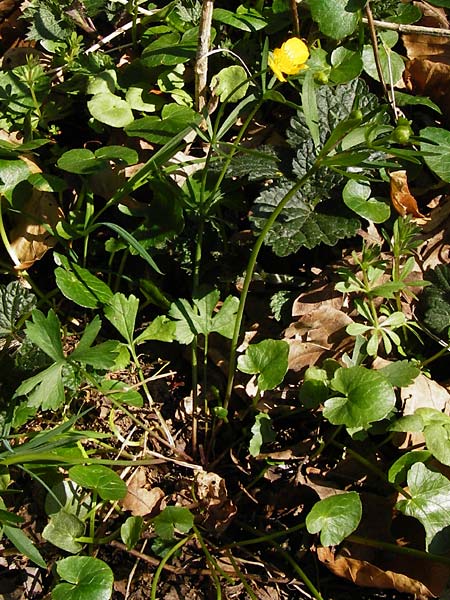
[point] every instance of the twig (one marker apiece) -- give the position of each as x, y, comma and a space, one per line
373, 37
295, 19
201, 62
417, 29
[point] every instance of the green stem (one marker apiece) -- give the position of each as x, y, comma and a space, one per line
249, 275
356, 539
306, 580
164, 560
270, 537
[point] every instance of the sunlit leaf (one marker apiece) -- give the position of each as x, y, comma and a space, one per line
336, 517
89, 579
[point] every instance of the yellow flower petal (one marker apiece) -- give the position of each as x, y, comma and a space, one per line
289, 59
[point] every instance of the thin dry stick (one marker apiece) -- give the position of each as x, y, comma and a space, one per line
373, 37
417, 29
295, 19
201, 62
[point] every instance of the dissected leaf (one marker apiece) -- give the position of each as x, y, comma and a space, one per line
336, 517
430, 504
44, 331
121, 312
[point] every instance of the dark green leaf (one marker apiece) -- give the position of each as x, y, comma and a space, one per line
400, 373
102, 479
435, 299
16, 302
436, 146
268, 359
81, 161
24, 545
89, 579
44, 331
171, 519
81, 286
262, 433
131, 530
333, 17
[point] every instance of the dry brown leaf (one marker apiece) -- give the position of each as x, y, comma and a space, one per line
402, 199
29, 238
365, 574
140, 500
427, 73
211, 491
435, 249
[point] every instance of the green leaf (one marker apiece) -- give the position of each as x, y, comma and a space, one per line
68, 496
80, 161
227, 80
346, 65
102, 83
102, 479
402, 99
356, 196
102, 356
62, 531
171, 519
366, 397
89, 579
268, 359
47, 183
12, 172
139, 99
429, 504
121, 312
309, 105
336, 517
169, 50
392, 64
16, 302
161, 329
119, 154
262, 433
435, 143
121, 392
131, 530
44, 331
24, 545
110, 109
398, 470
333, 18
245, 19
400, 373
82, 287
435, 299
159, 131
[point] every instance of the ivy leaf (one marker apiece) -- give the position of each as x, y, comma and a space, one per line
15, 303
367, 396
262, 433
336, 517
171, 519
89, 579
429, 504
435, 299
268, 359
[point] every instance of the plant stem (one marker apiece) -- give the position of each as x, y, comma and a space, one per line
309, 584
249, 275
164, 560
201, 62
413, 552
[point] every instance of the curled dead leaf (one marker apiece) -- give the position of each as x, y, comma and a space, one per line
402, 199
140, 500
211, 491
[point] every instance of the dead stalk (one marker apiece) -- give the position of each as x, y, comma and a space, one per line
201, 63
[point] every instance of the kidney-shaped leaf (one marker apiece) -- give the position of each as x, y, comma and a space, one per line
110, 109
171, 519
333, 18
269, 359
429, 504
335, 517
62, 531
103, 480
436, 146
367, 396
89, 579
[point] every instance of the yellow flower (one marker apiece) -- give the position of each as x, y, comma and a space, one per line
289, 59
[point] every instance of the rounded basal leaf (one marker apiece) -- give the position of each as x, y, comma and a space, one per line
81, 161
62, 531
335, 517
103, 480
229, 79
88, 579
110, 109
437, 438
139, 99
356, 196
333, 18
269, 359
130, 532
436, 147
366, 397
429, 503
171, 519
120, 154
346, 65
397, 472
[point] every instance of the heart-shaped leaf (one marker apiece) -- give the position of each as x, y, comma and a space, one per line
103, 480
268, 359
89, 579
335, 517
